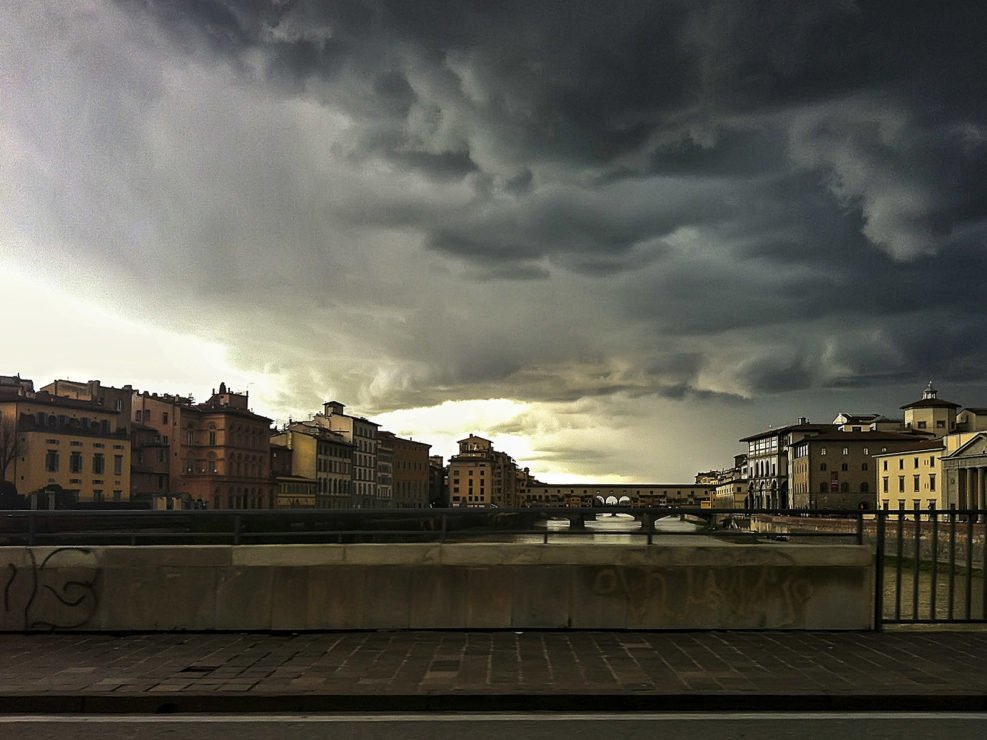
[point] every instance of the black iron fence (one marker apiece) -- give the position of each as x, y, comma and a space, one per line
930, 566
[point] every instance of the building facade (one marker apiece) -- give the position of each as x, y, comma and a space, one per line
362, 435
481, 476
410, 466
319, 454
965, 471
75, 447
911, 476
768, 462
836, 470
225, 454
931, 414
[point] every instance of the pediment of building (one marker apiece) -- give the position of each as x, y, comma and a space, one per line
975, 447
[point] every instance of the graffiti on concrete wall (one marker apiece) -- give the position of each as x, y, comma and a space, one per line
761, 596
59, 591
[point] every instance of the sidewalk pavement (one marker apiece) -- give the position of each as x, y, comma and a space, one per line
489, 671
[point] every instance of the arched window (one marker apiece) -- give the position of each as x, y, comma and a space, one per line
864, 488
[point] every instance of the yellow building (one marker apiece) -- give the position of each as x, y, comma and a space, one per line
911, 476
63, 444
932, 473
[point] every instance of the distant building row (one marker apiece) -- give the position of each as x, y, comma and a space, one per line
935, 456
95, 444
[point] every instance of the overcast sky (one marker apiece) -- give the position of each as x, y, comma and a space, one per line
614, 237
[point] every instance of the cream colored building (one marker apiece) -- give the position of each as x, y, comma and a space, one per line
965, 471
321, 455
931, 414
362, 434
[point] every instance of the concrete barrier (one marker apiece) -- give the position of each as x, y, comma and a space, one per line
433, 586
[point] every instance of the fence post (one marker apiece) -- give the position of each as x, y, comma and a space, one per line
879, 573
917, 555
934, 548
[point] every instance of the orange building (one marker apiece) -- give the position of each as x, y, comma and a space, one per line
481, 476
224, 450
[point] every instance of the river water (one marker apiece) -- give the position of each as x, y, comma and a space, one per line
911, 607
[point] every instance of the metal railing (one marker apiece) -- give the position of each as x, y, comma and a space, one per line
930, 566
287, 526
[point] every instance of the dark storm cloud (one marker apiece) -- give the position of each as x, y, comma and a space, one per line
541, 200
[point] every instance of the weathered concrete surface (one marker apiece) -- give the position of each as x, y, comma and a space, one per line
432, 586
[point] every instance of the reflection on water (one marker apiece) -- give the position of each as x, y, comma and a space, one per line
910, 608
556, 537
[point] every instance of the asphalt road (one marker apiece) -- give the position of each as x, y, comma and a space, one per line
534, 726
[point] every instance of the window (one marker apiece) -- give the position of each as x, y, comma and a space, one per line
884, 484
901, 464
866, 450
822, 467
822, 451
901, 484
940, 424
846, 450
915, 482
823, 488
51, 461
844, 487
916, 463
137, 415
147, 416
864, 488
921, 425
212, 439
863, 466
884, 464
932, 481
844, 467
118, 465
99, 464
75, 462
164, 417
